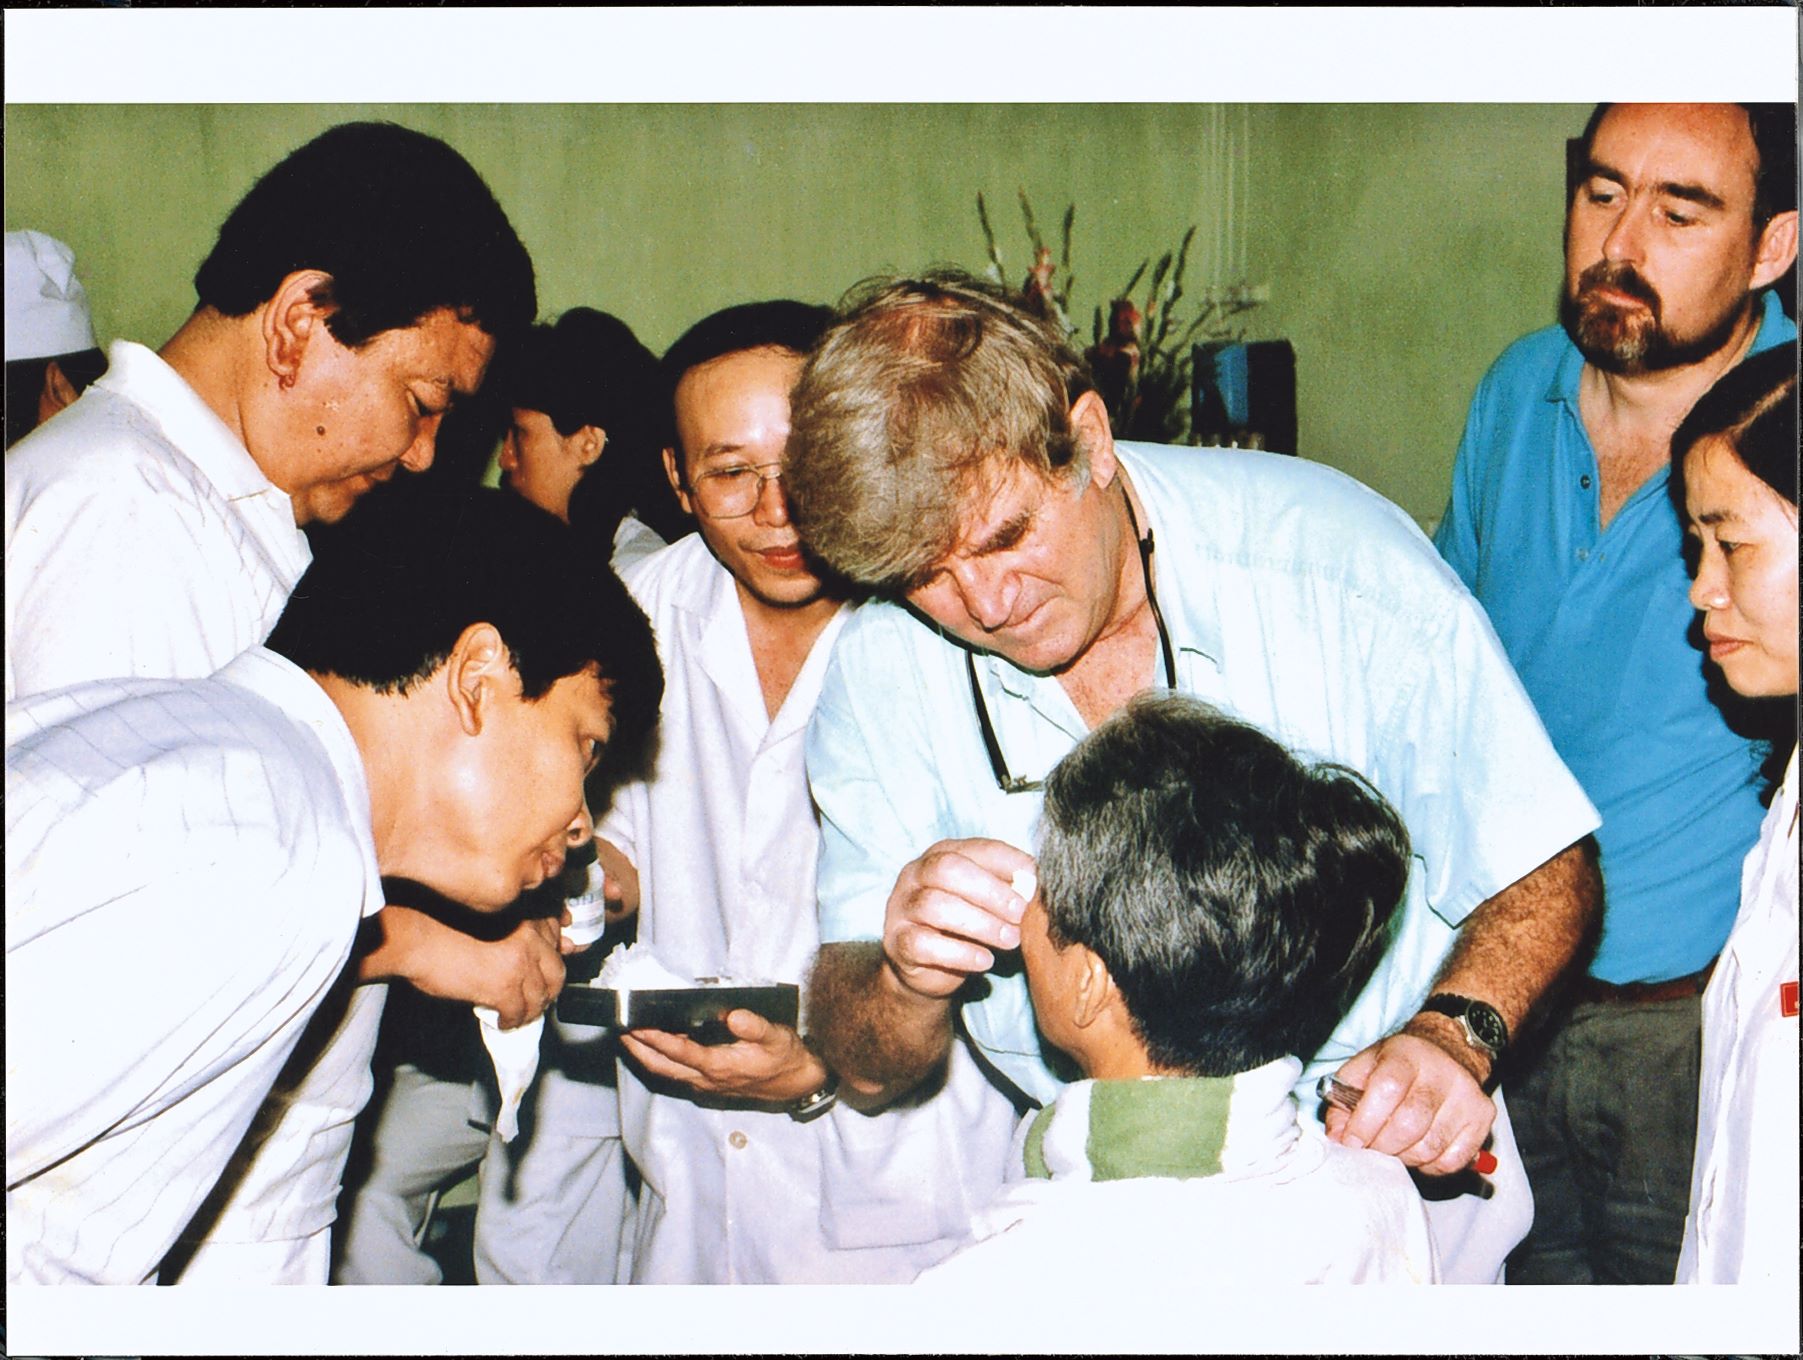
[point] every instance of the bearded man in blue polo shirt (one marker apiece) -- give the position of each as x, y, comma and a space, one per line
1680, 216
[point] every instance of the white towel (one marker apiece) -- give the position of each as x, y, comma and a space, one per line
515, 1055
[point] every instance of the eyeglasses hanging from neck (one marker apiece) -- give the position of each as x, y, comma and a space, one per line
1012, 783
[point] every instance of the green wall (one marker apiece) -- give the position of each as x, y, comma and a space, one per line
1403, 245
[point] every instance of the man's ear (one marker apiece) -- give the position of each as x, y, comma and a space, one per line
674, 473
57, 393
1094, 435
1777, 250
587, 444
291, 319
474, 675
1095, 985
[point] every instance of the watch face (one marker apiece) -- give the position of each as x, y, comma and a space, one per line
1488, 1026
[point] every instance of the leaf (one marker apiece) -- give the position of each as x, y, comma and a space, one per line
1026, 211
995, 254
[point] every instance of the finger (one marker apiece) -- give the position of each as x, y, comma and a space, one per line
1464, 1130
950, 914
923, 949
1389, 1116
750, 1026
998, 857
676, 1047
657, 1063
972, 882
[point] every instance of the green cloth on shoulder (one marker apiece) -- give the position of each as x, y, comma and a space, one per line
1156, 1126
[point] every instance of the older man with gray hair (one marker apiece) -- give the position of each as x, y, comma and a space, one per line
949, 452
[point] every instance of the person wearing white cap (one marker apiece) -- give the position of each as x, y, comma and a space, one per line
51, 355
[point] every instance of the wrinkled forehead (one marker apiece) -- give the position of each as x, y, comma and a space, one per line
1708, 145
985, 498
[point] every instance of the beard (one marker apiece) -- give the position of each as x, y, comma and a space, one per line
1631, 341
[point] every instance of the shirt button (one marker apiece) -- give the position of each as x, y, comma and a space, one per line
1584, 481
1583, 554
737, 1139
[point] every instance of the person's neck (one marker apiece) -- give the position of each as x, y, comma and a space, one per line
206, 354
378, 725
1114, 666
781, 638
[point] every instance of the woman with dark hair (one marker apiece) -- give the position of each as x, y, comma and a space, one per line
585, 396
1734, 477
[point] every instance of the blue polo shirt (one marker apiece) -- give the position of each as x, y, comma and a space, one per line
1598, 625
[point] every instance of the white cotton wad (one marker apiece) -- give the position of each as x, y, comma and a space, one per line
636, 968
515, 1055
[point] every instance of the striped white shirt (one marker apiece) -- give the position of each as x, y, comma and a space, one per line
141, 538
186, 865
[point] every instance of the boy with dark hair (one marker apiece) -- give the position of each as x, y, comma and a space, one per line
1208, 908
412, 719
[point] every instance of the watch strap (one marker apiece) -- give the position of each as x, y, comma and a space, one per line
1488, 1032
816, 1103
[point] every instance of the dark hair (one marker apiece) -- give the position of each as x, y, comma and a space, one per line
402, 224
779, 324
25, 381
1753, 407
393, 586
590, 369
1774, 130
1239, 897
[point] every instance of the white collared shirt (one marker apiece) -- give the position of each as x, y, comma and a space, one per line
141, 537
1743, 1191
186, 865
1286, 1207
724, 840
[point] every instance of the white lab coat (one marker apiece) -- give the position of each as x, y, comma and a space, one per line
724, 839
141, 537
1743, 1192
197, 854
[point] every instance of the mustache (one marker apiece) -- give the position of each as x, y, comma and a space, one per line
1622, 278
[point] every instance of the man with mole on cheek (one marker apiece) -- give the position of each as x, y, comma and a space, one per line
357, 290
1207, 906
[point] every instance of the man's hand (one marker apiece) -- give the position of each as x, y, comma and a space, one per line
1420, 1104
768, 1063
518, 975
951, 909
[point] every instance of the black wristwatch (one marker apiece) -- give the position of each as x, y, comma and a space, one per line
1485, 1030
816, 1103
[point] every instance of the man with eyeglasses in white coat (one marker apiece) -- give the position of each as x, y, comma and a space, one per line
751, 1172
